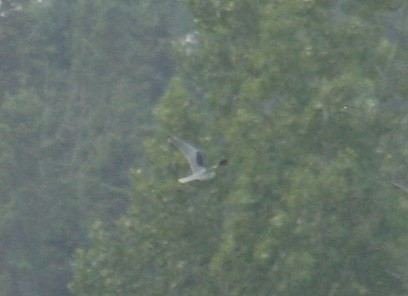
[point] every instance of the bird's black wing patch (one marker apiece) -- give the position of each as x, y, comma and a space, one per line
223, 161
199, 159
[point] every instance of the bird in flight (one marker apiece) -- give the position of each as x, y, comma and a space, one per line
195, 159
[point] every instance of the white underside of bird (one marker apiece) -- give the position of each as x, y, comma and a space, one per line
195, 159
199, 175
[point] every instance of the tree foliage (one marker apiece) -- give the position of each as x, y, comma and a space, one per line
307, 100
299, 96
79, 79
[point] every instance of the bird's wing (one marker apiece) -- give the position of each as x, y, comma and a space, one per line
194, 157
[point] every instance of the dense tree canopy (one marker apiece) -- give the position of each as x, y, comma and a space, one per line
303, 98
78, 81
306, 99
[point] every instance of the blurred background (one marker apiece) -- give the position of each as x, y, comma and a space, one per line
308, 100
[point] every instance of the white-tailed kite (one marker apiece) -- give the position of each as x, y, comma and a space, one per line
195, 159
